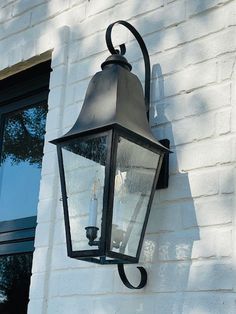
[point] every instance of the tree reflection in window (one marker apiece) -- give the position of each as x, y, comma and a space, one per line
24, 136
15, 272
21, 159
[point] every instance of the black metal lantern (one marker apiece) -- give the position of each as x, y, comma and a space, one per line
109, 164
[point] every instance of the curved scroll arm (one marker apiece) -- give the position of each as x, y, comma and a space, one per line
123, 50
126, 281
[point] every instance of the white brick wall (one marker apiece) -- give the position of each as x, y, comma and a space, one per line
190, 248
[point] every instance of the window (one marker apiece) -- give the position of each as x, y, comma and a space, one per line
23, 109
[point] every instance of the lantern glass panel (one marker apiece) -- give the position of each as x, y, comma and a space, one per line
135, 172
84, 167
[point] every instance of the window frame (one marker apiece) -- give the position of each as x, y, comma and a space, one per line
21, 91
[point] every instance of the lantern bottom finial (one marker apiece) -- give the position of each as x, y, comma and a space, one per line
126, 282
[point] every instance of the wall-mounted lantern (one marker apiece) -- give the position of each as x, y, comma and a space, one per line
109, 165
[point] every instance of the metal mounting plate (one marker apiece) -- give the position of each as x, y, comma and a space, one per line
164, 174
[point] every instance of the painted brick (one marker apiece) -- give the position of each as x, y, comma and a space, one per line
221, 42
74, 16
71, 114
49, 136
45, 208
210, 276
15, 25
194, 52
204, 183
84, 70
223, 121
195, 303
209, 153
173, 193
207, 212
183, 186
161, 277
44, 43
76, 2
21, 6
6, 14
61, 261
168, 247
233, 113
164, 217
53, 119
4, 3
164, 17
80, 90
4, 62
29, 50
128, 304
57, 77
131, 8
59, 209
226, 179
192, 129
37, 286
71, 305
214, 243
36, 306
94, 7
91, 45
47, 10
226, 68
198, 6
190, 79
191, 244
75, 281
50, 165
186, 80
40, 260
194, 103
47, 187
196, 27
59, 57
14, 56
59, 235
86, 28
232, 13
55, 96
42, 239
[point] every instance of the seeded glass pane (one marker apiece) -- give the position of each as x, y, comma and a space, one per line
135, 171
84, 166
20, 163
15, 272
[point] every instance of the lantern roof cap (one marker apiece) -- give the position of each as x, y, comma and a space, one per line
114, 97
116, 59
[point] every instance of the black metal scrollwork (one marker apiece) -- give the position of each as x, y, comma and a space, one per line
126, 282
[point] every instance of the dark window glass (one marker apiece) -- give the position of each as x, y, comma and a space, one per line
21, 158
15, 272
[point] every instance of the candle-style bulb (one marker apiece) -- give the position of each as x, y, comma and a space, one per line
93, 205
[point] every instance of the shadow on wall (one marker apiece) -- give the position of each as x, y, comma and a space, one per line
168, 243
